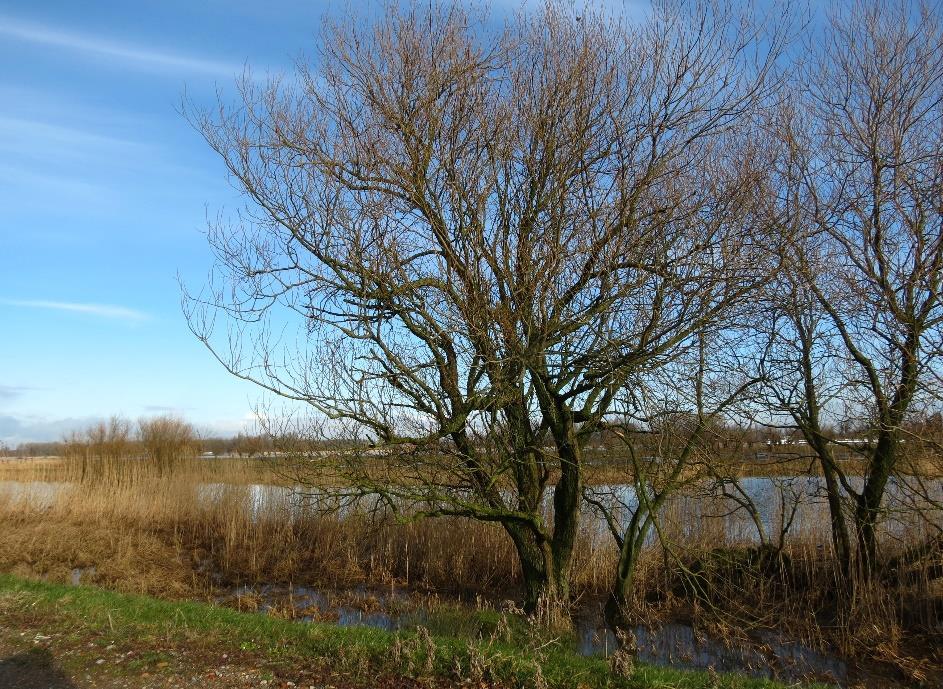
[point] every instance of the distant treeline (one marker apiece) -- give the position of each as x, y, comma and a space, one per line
120, 436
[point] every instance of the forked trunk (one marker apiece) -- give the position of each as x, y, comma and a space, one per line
545, 564
617, 604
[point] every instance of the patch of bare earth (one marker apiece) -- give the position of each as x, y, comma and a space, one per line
32, 657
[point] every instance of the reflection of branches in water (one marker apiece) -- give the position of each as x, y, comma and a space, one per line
922, 477
789, 497
924, 497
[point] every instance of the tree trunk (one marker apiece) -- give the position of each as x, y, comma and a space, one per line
868, 504
537, 565
630, 551
841, 541
811, 429
567, 501
617, 603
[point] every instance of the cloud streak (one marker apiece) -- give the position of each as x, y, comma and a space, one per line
18, 429
93, 45
11, 392
22, 135
100, 310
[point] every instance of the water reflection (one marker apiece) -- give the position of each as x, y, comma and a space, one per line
391, 610
759, 507
679, 645
795, 501
672, 644
42, 494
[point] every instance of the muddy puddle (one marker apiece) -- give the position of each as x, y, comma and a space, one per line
675, 645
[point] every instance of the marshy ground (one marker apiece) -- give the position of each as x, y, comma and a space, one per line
39, 651
213, 533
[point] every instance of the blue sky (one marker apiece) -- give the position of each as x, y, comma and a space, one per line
104, 189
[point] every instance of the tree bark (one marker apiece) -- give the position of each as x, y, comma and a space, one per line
537, 565
617, 604
567, 502
868, 504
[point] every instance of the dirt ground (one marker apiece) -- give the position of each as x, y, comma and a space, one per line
31, 659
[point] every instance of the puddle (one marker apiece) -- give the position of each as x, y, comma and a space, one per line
390, 610
82, 573
676, 645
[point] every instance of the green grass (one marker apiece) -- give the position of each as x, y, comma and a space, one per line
357, 650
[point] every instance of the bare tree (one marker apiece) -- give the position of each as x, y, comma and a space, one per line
485, 236
857, 320
672, 429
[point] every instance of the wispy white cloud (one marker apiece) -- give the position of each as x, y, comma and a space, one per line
101, 310
28, 429
103, 47
11, 392
225, 427
165, 409
27, 187
22, 135
43, 158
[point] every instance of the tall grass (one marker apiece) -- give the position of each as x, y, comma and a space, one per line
222, 534
79, 468
115, 453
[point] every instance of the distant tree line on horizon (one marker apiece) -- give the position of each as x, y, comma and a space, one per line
120, 437
121, 434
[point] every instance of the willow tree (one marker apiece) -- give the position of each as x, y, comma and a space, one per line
483, 234
858, 318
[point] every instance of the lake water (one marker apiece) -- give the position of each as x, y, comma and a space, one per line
794, 501
691, 515
37, 493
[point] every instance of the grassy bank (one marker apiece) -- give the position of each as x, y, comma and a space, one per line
100, 619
